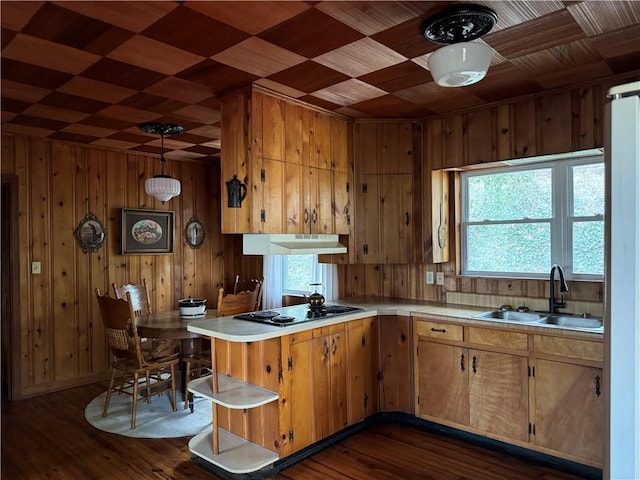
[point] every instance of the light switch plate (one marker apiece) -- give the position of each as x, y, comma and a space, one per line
35, 268
429, 277
440, 278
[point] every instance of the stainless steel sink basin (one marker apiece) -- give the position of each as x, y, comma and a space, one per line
542, 318
571, 321
512, 316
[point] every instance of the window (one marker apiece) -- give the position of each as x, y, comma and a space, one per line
518, 221
298, 271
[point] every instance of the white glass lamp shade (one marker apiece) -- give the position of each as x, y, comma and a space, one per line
459, 64
162, 187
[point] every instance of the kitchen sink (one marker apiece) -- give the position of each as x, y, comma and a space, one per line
542, 318
571, 321
512, 316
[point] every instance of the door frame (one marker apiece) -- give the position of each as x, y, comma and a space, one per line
10, 247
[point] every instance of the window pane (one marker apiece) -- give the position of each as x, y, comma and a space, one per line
588, 248
510, 196
588, 190
517, 248
298, 272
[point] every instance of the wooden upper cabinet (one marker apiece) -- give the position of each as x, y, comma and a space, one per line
285, 154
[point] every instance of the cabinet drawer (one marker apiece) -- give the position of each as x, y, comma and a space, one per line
568, 347
439, 330
497, 338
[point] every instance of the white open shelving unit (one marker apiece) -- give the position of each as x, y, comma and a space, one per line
237, 454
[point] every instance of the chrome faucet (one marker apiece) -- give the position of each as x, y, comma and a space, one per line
554, 304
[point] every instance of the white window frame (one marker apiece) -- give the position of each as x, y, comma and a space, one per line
560, 224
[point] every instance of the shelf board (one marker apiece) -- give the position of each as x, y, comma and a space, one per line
232, 393
237, 455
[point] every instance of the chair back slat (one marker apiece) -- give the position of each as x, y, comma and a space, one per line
250, 286
139, 296
233, 304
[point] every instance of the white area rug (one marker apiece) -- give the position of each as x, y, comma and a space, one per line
154, 420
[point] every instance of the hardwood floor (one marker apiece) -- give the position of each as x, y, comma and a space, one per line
47, 437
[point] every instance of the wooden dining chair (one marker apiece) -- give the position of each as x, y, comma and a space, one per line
249, 286
141, 304
135, 369
203, 363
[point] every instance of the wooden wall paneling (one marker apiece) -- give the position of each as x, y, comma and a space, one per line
556, 123
582, 111
82, 265
64, 320
453, 141
434, 144
524, 126
98, 274
116, 185
40, 335
504, 134
479, 138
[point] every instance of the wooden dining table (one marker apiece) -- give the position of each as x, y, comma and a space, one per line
170, 325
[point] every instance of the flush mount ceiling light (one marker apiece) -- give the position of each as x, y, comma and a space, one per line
162, 187
460, 62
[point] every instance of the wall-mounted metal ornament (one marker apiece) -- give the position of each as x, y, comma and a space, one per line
236, 192
90, 233
194, 233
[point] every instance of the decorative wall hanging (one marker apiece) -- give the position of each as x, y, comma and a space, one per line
90, 233
236, 191
146, 232
162, 187
194, 233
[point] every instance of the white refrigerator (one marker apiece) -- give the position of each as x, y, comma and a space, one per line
622, 304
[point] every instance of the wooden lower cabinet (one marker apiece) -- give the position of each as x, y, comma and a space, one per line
569, 410
541, 392
328, 380
484, 390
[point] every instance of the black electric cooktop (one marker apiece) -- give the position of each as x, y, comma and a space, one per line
295, 315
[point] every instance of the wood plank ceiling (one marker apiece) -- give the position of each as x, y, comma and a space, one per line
90, 71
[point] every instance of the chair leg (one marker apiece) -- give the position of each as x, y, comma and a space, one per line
134, 402
173, 387
108, 399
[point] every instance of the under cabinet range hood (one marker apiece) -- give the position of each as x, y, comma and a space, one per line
290, 244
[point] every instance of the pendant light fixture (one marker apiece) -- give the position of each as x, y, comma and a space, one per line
461, 62
162, 187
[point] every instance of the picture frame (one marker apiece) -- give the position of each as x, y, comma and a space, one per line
194, 232
90, 233
146, 232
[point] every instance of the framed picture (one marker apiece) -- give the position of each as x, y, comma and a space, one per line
146, 232
194, 233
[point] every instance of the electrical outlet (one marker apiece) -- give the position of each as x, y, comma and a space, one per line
429, 277
35, 268
440, 278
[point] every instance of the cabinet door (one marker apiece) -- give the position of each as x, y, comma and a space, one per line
395, 363
361, 347
396, 218
298, 424
499, 394
341, 207
443, 382
569, 409
368, 231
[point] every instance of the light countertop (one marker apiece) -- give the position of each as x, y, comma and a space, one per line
228, 328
